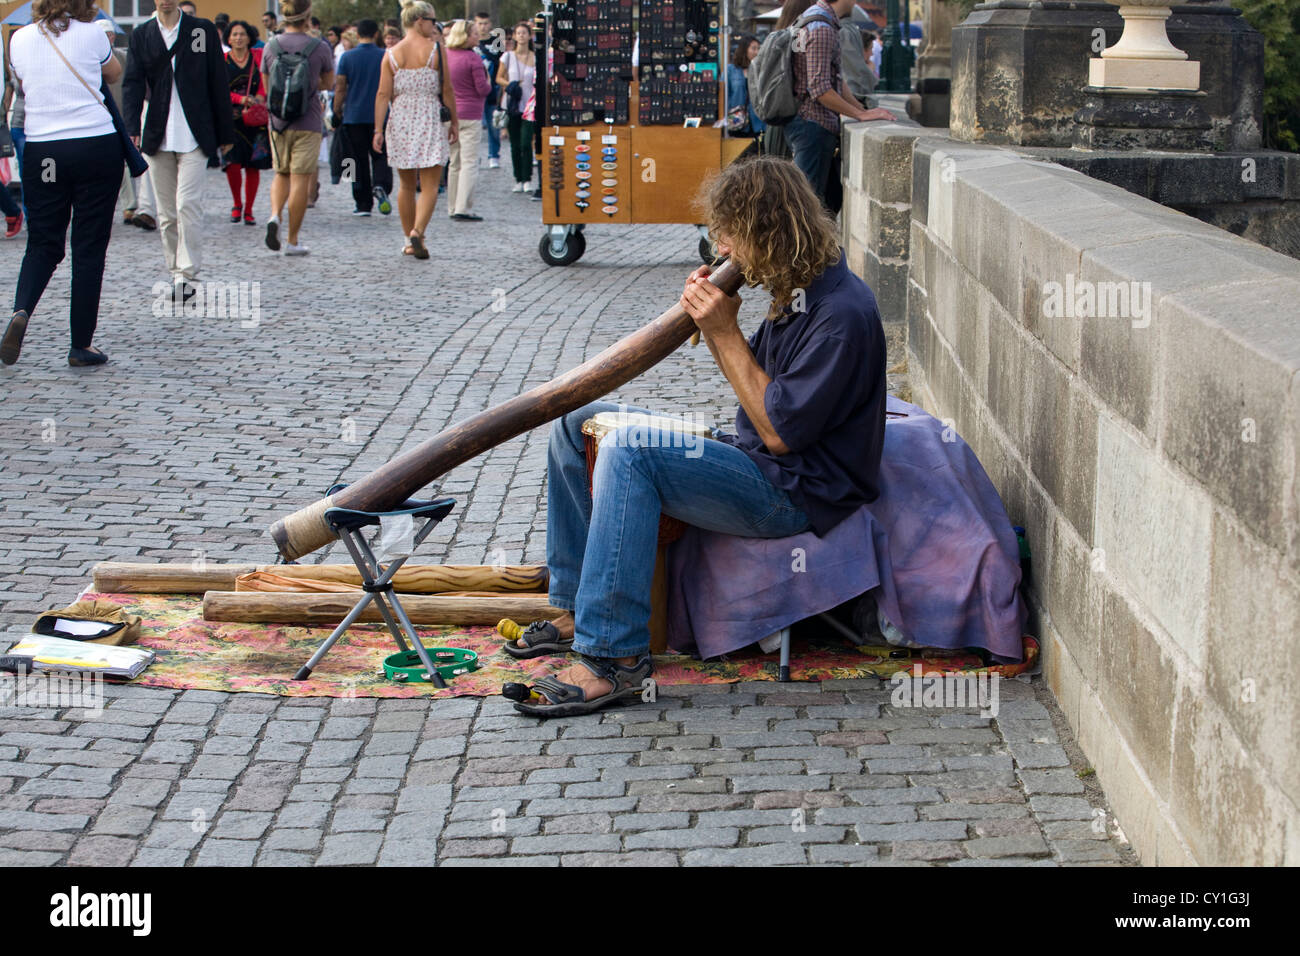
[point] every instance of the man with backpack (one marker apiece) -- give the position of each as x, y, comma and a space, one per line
175, 59
811, 87
295, 68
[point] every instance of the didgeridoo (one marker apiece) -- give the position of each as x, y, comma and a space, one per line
388, 486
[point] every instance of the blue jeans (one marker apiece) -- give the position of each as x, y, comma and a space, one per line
814, 147
494, 134
601, 550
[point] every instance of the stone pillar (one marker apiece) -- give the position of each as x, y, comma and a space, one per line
1143, 92
934, 66
1021, 69
935, 61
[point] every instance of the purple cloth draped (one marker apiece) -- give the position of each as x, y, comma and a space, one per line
936, 546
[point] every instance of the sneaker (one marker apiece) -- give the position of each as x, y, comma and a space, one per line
385, 206
273, 234
494, 163
291, 250
537, 194
518, 188
13, 224
361, 212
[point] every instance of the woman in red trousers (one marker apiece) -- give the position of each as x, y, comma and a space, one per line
251, 152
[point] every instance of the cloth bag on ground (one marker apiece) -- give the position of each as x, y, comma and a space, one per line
98, 622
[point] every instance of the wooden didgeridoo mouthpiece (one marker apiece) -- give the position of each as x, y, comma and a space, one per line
388, 486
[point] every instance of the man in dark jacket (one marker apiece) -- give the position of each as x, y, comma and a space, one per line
175, 61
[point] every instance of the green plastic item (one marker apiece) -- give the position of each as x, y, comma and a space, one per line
406, 666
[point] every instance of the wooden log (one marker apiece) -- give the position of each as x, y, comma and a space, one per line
184, 577
430, 578
306, 530
178, 577
326, 610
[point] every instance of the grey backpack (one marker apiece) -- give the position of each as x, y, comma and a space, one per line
771, 73
291, 85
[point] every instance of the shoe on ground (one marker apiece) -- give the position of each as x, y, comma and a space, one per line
144, 221
385, 205
183, 291
537, 194
361, 212
466, 217
249, 220
236, 213
12, 343
127, 216
291, 250
13, 224
273, 234
82, 357
518, 188
494, 163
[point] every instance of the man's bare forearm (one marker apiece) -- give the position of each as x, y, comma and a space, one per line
832, 99
749, 382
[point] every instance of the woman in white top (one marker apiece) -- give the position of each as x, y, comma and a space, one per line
72, 165
518, 71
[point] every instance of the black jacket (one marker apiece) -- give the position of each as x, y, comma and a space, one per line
201, 82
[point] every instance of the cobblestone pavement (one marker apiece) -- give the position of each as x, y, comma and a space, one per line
202, 431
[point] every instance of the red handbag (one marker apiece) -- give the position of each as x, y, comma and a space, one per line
253, 114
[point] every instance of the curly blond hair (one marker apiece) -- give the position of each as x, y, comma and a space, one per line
781, 233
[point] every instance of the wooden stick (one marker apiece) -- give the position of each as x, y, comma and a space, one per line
183, 577
326, 610
306, 530
179, 577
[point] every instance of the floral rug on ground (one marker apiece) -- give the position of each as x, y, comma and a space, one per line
194, 654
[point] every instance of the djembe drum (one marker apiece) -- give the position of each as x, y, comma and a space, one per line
670, 529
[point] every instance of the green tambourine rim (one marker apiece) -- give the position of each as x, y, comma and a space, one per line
408, 665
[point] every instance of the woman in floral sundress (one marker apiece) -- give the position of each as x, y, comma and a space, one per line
414, 80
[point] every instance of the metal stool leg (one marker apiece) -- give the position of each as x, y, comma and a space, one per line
377, 580
783, 674
305, 671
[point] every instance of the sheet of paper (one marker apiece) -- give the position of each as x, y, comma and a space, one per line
81, 628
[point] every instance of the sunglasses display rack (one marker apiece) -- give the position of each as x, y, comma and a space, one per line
628, 145
591, 62
678, 58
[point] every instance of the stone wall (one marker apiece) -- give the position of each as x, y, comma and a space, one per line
1145, 436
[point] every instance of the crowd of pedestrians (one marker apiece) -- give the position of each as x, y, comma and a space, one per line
412, 95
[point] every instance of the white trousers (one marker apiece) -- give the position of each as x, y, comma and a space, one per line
177, 180
463, 170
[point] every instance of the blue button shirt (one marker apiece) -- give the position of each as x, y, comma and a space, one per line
361, 66
826, 399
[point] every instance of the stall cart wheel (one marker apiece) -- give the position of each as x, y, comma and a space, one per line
574, 245
707, 251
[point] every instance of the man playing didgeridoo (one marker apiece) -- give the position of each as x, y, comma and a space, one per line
806, 453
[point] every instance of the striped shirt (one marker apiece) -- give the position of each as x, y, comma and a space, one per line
817, 66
